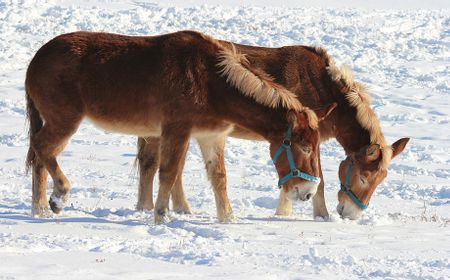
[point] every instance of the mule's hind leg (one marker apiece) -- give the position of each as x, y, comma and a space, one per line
174, 144
179, 202
213, 156
47, 144
148, 162
39, 205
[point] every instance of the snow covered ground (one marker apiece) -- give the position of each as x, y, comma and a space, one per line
402, 54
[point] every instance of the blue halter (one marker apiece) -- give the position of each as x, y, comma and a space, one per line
346, 188
286, 146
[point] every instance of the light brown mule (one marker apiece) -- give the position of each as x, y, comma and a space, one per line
170, 86
312, 75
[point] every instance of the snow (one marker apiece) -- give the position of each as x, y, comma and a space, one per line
400, 50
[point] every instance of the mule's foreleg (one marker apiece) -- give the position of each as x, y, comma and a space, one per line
284, 205
148, 163
47, 144
174, 144
318, 201
213, 155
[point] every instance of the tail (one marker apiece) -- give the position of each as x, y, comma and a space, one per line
35, 124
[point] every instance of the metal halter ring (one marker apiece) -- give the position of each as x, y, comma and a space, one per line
286, 142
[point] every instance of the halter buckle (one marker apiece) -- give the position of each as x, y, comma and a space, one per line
286, 142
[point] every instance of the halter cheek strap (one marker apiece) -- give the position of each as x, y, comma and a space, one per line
286, 146
346, 189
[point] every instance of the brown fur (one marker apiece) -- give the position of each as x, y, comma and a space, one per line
164, 86
312, 75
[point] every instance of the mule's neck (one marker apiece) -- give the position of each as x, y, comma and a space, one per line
345, 126
268, 122
342, 123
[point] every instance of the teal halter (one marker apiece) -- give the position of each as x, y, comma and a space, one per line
286, 146
346, 188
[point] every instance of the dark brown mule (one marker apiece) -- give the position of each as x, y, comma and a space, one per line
165, 86
313, 76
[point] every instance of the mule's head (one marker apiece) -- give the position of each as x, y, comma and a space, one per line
361, 173
296, 154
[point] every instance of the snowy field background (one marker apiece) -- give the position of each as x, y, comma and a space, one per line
400, 50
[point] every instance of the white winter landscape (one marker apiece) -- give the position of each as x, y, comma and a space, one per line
399, 49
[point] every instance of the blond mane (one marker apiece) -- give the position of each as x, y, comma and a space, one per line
258, 85
357, 97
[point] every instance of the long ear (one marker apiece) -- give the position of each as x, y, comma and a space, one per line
398, 146
373, 152
322, 113
291, 117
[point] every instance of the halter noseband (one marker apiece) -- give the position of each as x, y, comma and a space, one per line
286, 146
346, 188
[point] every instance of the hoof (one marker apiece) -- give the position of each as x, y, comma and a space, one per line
183, 210
181, 206
321, 218
321, 215
144, 207
57, 203
227, 219
54, 207
40, 211
283, 212
162, 216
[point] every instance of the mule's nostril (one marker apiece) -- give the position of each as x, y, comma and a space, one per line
308, 196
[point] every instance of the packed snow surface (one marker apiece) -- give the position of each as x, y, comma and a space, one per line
402, 55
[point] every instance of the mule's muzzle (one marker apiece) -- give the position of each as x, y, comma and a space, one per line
305, 197
349, 211
303, 192
340, 209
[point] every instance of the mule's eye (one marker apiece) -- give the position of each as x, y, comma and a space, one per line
306, 149
362, 179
